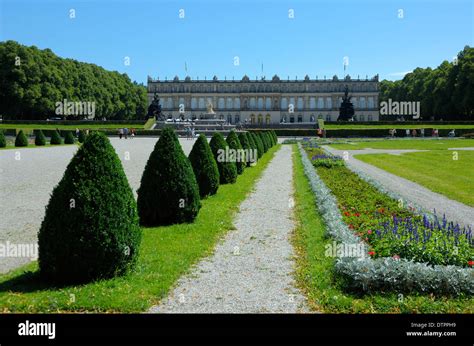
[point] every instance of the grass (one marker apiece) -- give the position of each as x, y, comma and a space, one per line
166, 253
30, 146
435, 170
315, 276
422, 144
401, 127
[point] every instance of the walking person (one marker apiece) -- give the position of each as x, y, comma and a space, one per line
120, 133
77, 132
407, 132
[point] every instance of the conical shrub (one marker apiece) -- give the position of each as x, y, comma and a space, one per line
275, 137
21, 140
39, 138
252, 142
55, 138
227, 168
90, 230
168, 191
270, 139
258, 142
250, 156
68, 138
82, 136
234, 143
264, 141
204, 167
3, 141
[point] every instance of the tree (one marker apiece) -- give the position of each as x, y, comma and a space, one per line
227, 168
262, 137
168, 192
234, 143
249, 150
258, 143
21, 140
90, 230
3, 142
68, 138
204, 167
55, 138
82, 136
40, 139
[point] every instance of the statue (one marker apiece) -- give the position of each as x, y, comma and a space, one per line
209, 108
346, 111
154, 110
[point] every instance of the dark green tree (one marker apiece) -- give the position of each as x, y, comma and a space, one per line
258, 143
168, 192
21, 140
227, 168
68, 138
90, 230
204, 167
55, 138
244, 140
3, 141
39, 138
234, 143
82, 136
264, 141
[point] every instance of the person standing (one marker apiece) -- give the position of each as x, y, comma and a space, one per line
120, 133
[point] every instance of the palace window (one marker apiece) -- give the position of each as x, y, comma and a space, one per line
229, 119
328, 102
370, 102
193, 103
320, 103
252, 119
312, 103
362, 102
300, 118
236, 103
201, 103
252, 103
220, 103
369, 117
260, 119
230, 104
292, 119
237, 118
328, 117
267, 119
260, 103
300, 105
268, 103
170, 103
284, 103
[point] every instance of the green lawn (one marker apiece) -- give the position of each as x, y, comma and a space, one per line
166, 253
397, 126
436, 170
91, 126
424, 144
315, 276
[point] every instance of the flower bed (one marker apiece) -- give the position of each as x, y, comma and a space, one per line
366, 211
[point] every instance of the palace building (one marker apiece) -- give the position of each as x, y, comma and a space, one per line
264, 101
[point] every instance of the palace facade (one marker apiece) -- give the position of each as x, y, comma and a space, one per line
266, 101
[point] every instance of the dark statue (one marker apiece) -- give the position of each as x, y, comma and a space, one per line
154, 110
346, 111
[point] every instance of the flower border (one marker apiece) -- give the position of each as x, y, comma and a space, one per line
382, 274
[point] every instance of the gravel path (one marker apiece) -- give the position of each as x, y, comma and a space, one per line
26, 184
251, 269
412, 191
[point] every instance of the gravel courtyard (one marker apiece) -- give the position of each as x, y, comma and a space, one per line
26, 182
251, 269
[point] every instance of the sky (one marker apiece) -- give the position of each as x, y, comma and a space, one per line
233, 38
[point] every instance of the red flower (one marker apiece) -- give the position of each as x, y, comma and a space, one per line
346, 213
471, 263
357, 214
371, 253
366, 239
396, 257
369, 231
381, 210
351, 227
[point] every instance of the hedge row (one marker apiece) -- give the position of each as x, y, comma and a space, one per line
91, 229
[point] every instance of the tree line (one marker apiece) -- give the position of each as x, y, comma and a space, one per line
34, 81
446, 92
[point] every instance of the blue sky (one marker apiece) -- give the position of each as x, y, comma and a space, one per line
212, 33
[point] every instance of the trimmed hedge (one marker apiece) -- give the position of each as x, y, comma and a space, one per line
227, 169
68, 138
21, 140
244, 139
55, 138
40, 139
234, 143
82, 136
3, 141
168, 192
204, 167
259, 144
90, 230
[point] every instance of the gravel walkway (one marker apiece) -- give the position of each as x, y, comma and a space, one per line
251, 269
412, 191
26, 185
